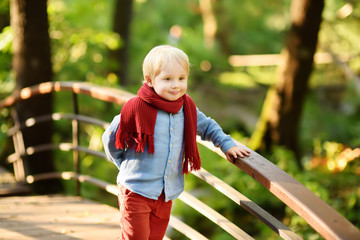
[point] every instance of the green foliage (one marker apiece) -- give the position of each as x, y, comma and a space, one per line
80, 41
6, 79
81, 38
248, 19
6, 39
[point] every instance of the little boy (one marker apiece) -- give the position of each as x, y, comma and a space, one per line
153, 143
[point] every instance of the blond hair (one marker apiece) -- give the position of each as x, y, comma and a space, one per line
161, 55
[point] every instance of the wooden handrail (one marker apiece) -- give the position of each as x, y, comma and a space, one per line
185, 229
53, 146
237, 197
247, 204
324, 219
214, 216
276, 59
99, 92
56, 116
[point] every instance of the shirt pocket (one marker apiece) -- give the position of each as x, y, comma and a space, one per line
179, 121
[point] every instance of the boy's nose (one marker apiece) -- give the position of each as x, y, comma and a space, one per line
175, 84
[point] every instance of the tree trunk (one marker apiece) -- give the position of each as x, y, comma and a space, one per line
32, 65
209, 22
224, 29
281, 114
122, 20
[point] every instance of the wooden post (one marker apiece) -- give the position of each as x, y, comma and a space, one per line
75, 140
19, 146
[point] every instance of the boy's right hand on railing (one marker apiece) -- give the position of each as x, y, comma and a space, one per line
233, 153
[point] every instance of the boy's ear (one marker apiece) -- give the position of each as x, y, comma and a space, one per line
148, 81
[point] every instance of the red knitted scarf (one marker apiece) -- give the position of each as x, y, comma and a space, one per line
137, 123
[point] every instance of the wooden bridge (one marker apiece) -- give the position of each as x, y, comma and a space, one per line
73, 217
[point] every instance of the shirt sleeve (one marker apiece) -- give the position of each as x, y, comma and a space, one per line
108, 139
208, 129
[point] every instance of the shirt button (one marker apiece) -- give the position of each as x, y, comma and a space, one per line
165, 176
171, 145
171, 129
169, 161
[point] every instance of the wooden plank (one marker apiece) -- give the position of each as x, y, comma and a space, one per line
185, 229
14, 189
57, 217
214, 216
276, 59
277, 226
9, 186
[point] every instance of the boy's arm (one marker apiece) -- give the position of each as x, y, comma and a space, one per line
108, 139
208, 129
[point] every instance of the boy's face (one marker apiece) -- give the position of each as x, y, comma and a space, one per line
170, 83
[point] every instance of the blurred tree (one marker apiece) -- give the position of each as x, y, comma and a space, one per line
32, 65
224, 30
281, 114
121, 25
209, 22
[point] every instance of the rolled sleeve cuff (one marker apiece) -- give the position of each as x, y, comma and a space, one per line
227, 144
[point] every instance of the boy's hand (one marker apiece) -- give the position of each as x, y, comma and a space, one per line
235, 152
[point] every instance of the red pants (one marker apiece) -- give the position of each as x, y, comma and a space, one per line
143, 218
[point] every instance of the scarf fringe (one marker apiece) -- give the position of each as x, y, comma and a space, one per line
126, 140
194, 164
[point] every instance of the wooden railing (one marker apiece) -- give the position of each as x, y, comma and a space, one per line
320, 216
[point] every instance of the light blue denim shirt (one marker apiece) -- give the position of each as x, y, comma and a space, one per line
149, 174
